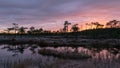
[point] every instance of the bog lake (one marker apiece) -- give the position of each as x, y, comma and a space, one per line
29, 56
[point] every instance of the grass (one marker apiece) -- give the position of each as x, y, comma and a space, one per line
94, 38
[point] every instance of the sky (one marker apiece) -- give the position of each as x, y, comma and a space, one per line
51, 14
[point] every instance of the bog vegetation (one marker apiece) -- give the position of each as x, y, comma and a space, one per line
92, 30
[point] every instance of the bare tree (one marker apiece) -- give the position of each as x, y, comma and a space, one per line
112, 24
75, 28
22, 30
15, 26
97, 25
66, 24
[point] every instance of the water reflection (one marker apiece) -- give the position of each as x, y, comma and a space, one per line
28, 56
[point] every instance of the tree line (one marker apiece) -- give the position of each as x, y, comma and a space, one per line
92, 25
74, 28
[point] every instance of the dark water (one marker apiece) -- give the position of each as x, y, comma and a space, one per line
27, 56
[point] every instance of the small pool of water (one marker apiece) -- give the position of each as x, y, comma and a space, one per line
28, 56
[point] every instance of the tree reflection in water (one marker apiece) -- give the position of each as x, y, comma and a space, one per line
26, 56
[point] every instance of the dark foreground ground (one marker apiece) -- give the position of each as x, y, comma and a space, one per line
108, 37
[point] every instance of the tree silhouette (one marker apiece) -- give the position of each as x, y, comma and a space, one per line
15, 26
22, 30
41, 30
36, 31
113, 24
31, 30
66, 24
75, 28
9, 29
97, 25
